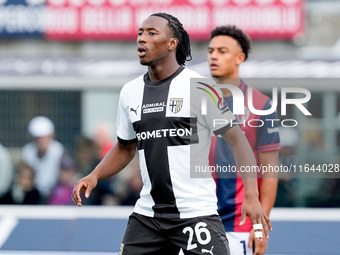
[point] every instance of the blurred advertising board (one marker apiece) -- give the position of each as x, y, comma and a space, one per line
19, 18
120, 19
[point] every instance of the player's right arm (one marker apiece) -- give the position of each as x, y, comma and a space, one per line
115, 160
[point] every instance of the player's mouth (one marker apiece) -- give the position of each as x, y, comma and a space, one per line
214, 66
141, 51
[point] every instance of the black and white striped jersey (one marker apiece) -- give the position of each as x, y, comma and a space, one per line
171, 136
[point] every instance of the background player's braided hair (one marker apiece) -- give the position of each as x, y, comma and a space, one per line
241, 37
183, 51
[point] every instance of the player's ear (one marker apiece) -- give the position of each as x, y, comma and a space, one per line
240, 58
173, 44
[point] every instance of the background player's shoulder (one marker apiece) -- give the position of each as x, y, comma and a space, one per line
258, 94
260, 100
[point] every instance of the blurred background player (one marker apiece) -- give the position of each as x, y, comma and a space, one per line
43, 154
228, 48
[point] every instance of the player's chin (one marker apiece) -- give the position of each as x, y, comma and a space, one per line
215, 73
144, 62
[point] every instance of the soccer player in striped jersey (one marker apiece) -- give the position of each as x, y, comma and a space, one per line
157, 116
228, 48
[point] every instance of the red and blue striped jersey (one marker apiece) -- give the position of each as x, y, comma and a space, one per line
264, 137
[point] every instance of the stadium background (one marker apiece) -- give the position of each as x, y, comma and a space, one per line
68, 60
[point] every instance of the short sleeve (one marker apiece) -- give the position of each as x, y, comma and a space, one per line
125, 131
222, 118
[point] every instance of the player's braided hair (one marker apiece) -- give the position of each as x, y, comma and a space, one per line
241, 37
183, 51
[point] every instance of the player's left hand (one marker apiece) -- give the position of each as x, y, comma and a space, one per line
260, 247
252, 208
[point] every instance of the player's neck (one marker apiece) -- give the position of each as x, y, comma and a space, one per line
160, 72
230, 81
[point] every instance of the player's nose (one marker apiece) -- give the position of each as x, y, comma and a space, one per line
212, 55
141, 38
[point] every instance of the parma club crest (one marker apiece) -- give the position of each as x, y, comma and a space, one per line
176, 104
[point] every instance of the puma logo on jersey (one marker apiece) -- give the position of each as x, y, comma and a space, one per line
208, 251
133, 110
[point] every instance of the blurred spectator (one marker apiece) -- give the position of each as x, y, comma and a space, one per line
23, 190
61, 194
87, 159
86, 155
330, 196
6, 170
122, 189
286, 190
130, 183
43, 154
290, 140
103, 138
313, 137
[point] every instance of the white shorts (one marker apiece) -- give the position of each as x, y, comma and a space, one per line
238, 243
